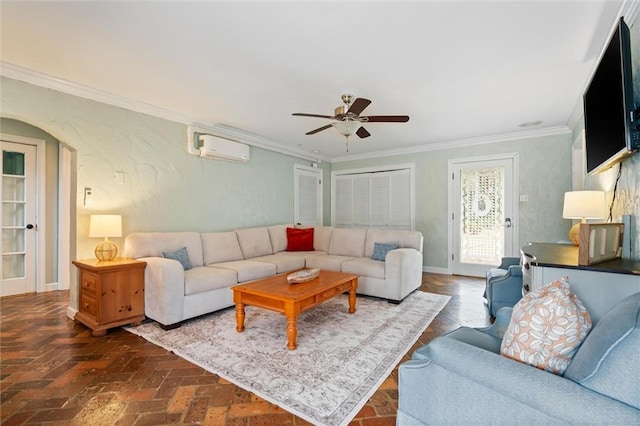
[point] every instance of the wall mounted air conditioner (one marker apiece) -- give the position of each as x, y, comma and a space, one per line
223, 149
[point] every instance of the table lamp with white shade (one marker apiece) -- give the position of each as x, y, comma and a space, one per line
105, 226
583, 205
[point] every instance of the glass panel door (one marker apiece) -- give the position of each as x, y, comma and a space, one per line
482, 216
483, 221
18, 218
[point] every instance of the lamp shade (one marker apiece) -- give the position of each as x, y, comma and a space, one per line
105, 225
584, 205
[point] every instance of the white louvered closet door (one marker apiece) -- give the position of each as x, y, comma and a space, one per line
373, 200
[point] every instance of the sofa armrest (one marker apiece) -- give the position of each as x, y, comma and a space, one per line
506, 262
499, 326
163, 290
403, 270
497, 390
515, 271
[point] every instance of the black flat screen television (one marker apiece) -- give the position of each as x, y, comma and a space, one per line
610, 132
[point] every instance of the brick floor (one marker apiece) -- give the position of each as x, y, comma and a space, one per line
53, 372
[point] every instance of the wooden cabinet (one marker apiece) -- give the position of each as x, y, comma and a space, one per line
111, 293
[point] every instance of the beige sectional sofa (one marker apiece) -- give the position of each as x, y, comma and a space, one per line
220, 260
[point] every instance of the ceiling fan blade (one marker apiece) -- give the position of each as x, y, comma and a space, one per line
386, 118
302, 114
359, 105
319, 129
362, 132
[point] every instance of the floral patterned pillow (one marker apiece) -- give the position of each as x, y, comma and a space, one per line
547, 327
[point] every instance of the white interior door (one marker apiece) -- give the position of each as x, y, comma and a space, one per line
307, 198
19, 195
483, 215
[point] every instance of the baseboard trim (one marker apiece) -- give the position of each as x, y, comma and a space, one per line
51, 286
433, 270
71, 312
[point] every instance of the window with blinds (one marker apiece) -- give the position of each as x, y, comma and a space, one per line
373, 199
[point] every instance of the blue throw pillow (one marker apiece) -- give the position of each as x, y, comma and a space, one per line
380, 250
181, 255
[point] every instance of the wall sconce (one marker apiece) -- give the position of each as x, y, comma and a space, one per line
105, 225
583, 205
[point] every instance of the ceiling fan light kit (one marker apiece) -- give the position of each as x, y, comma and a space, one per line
346, 128
349, 120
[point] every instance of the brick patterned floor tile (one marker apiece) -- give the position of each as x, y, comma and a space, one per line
168, 387
53, 372
53, 415
150, 406
18, 418
155, 419
197, 410
39, 404
366, 411
216, 416
181, 399
249, 409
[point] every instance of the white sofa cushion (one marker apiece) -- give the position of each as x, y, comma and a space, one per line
220, 247
327, 261
254, 242
301, 253
322, 237
152, 244
404, 239
201, 279
248, 269
364, 267
278, 237
283, 262
347, 242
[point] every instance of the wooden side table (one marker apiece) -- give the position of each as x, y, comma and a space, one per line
111, 293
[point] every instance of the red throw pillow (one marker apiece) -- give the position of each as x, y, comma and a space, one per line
299, 239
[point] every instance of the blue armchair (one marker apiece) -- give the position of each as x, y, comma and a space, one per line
504, 285
461, 378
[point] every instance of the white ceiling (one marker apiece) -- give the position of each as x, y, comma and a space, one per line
463, 71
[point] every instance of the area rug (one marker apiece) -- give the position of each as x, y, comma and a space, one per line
340, 361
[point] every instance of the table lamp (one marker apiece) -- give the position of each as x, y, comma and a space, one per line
583, 205
105, 225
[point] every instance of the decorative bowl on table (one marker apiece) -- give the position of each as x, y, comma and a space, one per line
302, 276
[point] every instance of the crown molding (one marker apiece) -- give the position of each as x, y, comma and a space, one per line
71, 88
65, 86
461, 143
39, 79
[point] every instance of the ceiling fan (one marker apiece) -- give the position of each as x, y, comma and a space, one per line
348, 118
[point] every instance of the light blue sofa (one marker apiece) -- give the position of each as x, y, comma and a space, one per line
461, 378
503, 285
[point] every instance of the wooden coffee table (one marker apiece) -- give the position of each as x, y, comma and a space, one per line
276, 294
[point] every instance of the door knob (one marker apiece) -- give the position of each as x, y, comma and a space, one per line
29, 226
507, 222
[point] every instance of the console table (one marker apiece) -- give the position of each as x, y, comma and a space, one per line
598, 286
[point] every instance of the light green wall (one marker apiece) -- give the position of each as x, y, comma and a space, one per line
50, 221
543, 177
627, 200
165, 188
